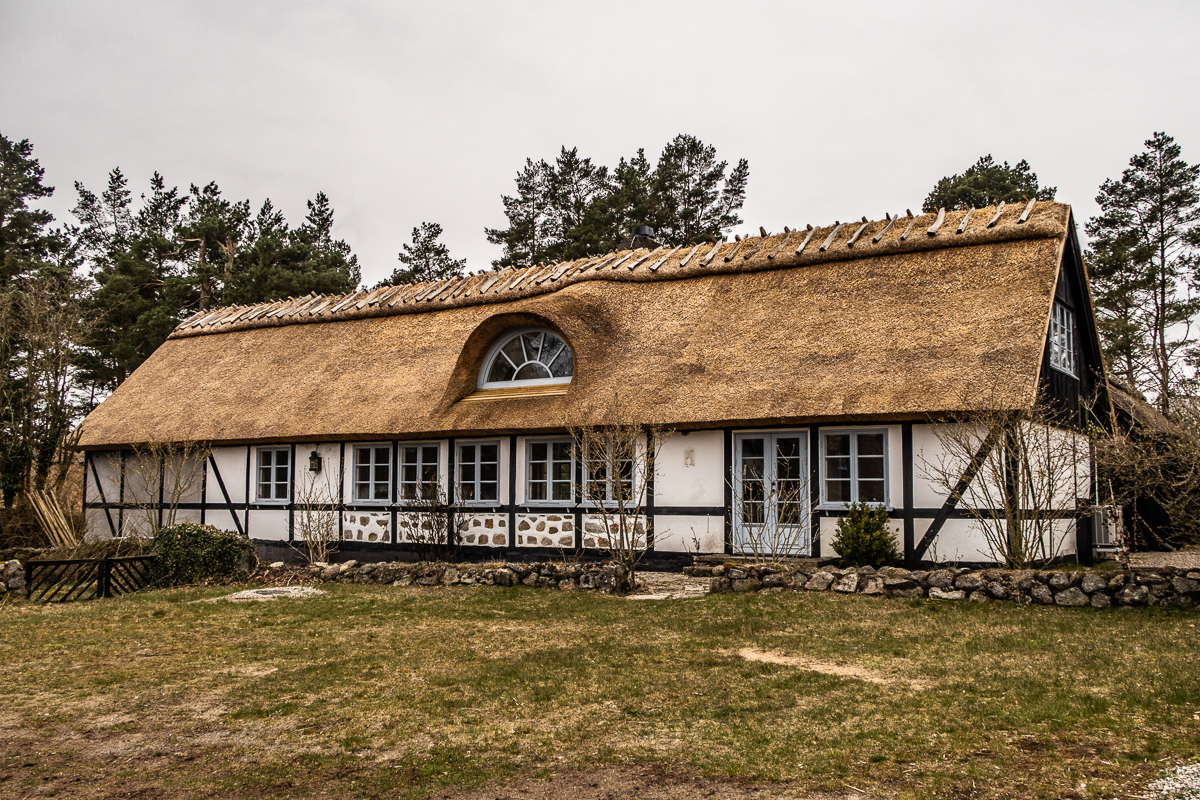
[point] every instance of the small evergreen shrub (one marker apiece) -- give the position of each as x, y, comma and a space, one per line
189, 553
863, 537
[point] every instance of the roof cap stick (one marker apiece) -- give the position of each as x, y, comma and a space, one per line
1028, 209
837, 226
995, 219
633, 266
804, 244
704, 261
891, 221
858, 233
771, 255
962, 226
941, 217
654, 267
623, 260
738, 246
688, 257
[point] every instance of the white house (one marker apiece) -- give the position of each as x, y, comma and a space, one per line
828, 355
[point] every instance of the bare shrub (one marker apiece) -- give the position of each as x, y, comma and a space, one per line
316, 518
770, 515
159, 476
435, 525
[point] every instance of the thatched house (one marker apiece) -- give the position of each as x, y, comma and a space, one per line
833, 351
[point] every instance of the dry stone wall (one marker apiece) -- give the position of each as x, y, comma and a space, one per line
1166, 587
607, 578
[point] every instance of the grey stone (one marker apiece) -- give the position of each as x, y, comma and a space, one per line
717, 584
1185, 585
941, 594
897, 572
873, 585
1116, 582
718, 570
1071, 597
746, 585
899, 584
16, 583
1146, 578
979, 596
276, 566
969, 582
1193, 576
1132, 595
997, 590
848, 584
819, 582
504, 577
736, 574
774, 580
1058, 581
531, 579
329, 573
3, 588
367, 569
546, 581
1041, 594
1092, 582
918, 575
587, 580
867, 570
1177, 601
347, 566
1022, 579
1100, 600
428, 580
942, 579
993, 575
11, 568
450, 576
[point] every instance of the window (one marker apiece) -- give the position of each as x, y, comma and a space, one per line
373, 472
419, 471
853, 467
479, 472
608, 474
274, 473
549, 471
528, 357
1062, 339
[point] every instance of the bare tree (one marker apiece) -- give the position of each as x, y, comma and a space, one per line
1014, 474
432, 524
770, 515
159, 477
315, 518
618, 460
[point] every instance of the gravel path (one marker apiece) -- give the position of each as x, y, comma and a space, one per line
1181, 559
1180, 784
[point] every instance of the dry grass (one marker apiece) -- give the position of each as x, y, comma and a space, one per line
373, 691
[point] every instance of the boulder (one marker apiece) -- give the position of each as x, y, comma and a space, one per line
847, 584
899, 584
873, 586
943, 594
450, 576
505, 577
1041, 594
329, 573
969, 582
979, 596
998, 590
716, 584
1149, 578
1100, 600
12, 567
1071, 597
1092, 582
1185, 585
1022, 580
942, 579
735, 574
1116, 582
347, 566
1058, 581
819, 582
774, 579
746, 585
1132, 595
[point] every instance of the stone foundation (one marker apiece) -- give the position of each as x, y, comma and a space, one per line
607, 578
1166, 587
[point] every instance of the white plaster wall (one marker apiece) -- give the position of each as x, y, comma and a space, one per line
895, 466
691, 471
927, 450
96, 525
545, 530
318, 488
268, 524
674, 534
231, 461
221, 519
485, 530
107, 465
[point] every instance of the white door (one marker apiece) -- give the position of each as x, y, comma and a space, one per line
771, 494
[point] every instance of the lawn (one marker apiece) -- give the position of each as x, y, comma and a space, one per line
384, 692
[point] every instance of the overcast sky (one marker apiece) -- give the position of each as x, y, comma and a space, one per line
405, 112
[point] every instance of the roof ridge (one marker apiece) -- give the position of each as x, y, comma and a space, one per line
837, 242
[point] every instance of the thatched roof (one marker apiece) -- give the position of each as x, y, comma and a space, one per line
865, 322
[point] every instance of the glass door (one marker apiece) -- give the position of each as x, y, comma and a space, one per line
771, 494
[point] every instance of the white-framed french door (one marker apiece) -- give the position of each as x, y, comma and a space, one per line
771, 493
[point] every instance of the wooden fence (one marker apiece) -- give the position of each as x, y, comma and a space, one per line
70, 579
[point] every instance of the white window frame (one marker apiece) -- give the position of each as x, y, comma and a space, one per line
549, 481
458, 465
1062, 339
274, 482
494, 353
421, 464
635, 489
854, 434
372, 482
740, 535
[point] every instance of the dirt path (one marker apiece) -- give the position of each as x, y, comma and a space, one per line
668, 585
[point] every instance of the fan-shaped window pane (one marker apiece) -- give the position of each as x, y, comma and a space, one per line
531, 356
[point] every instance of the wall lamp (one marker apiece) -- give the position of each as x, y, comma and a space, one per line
314, 462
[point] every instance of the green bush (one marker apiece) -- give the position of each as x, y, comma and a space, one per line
190, 553
863, 537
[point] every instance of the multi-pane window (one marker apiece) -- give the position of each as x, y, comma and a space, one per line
1062, 339
608, 472
530, 357
771, 492
373, 472
854, 467
274, 473
419, 472
479, 472
549, 471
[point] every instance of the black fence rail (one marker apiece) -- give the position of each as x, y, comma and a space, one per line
70, 579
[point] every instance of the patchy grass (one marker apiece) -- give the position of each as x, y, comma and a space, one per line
375, 691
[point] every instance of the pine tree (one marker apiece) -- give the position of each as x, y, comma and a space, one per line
533, 226
1144, 259
691, 206
986, 183
425, 259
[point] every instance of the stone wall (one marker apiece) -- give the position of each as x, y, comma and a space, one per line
12, 578
1095, 588
608, 578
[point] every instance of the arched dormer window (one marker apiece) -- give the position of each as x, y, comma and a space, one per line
529, 357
